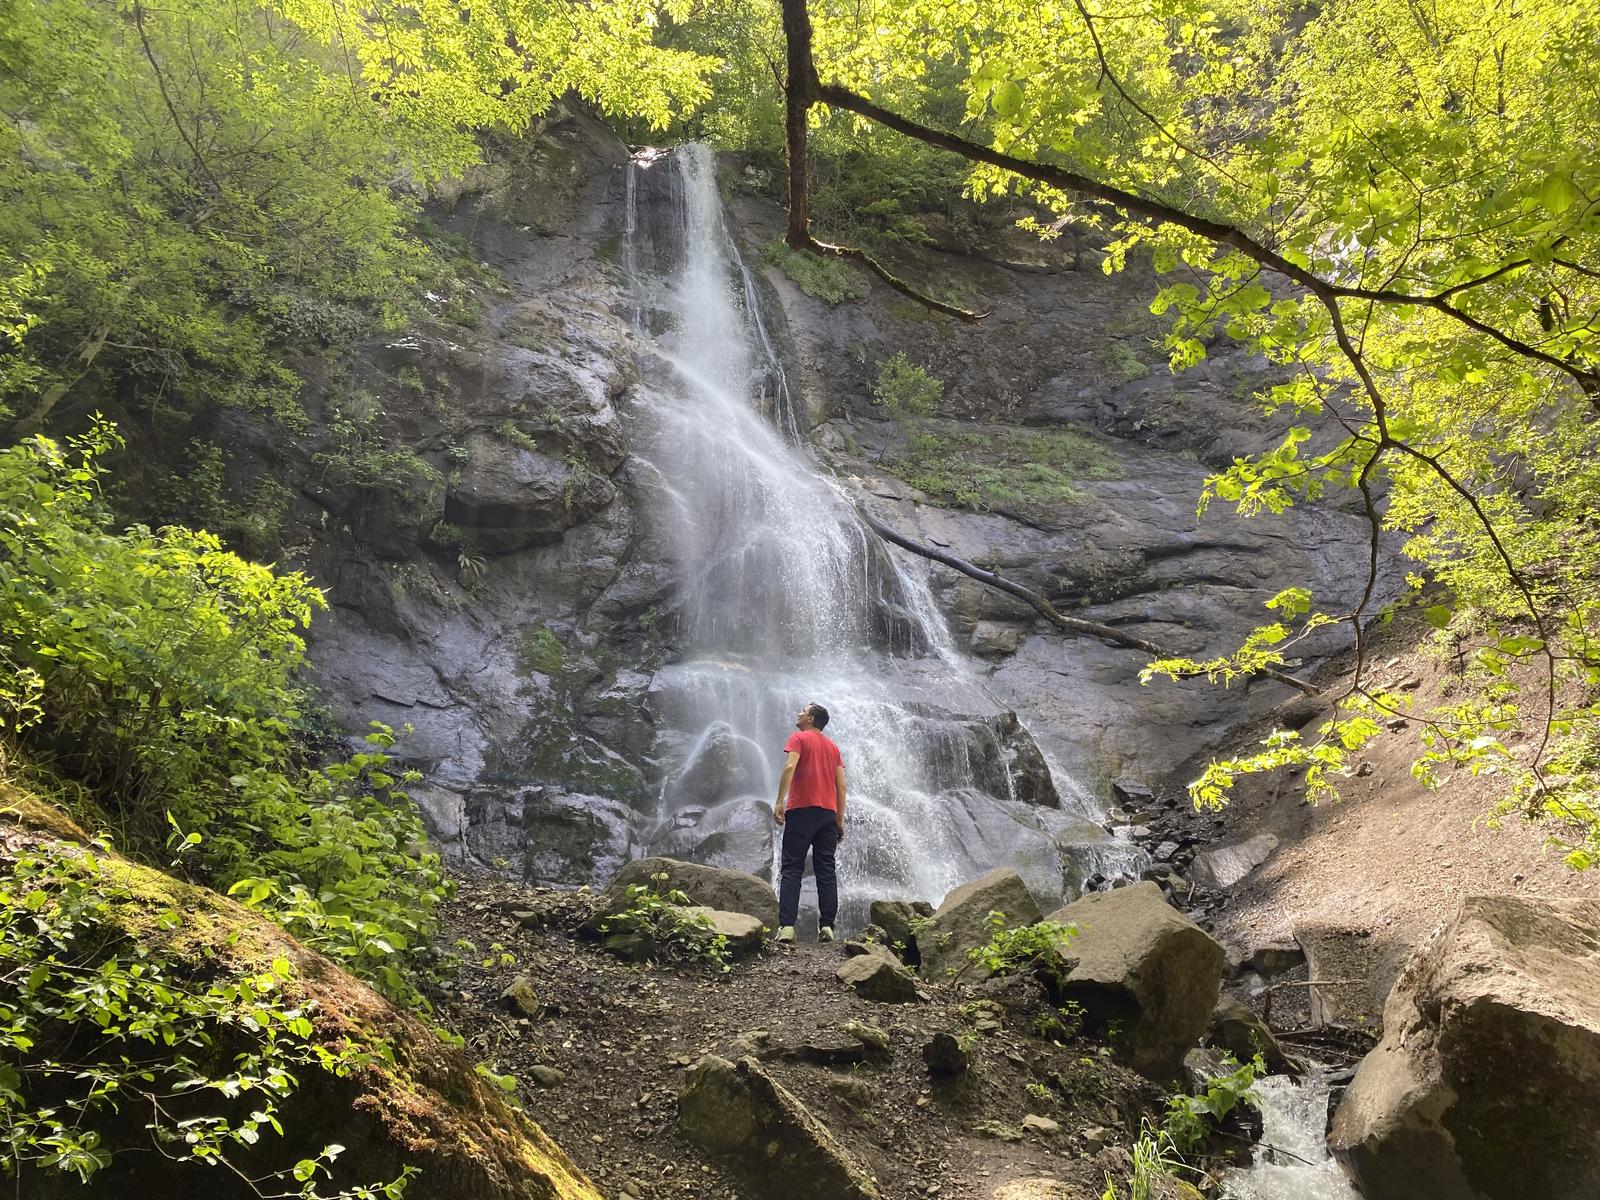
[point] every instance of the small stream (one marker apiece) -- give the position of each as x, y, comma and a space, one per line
1292, 1161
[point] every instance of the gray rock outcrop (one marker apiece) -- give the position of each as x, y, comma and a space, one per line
1483, 1085
1241, 1033
1225, 866
961, 924
785, 1153
1139, 962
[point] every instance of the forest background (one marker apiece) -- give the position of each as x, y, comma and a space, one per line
1394, 202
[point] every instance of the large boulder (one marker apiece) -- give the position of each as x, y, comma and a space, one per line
1142, 964
784, 1152
713, 887
961, 922
1483, 1087
416, 1102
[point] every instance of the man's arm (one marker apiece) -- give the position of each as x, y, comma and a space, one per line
783, 785
838, 792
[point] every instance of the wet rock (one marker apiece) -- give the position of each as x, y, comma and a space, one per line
722, 766
880, 977
1220, 869
944, 1056
1140, 962
514, 494
783, 1151
520, 997
1483, 1085
713, 887
961, 922
992, 639
1241, 1033
1133, 792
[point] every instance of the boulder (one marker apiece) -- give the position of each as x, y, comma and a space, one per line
895, 918
961, 922
880, 977
512, 494
744, 932
713, 887
1241, 1033
785, 1153
1220, 869
1483, 1085
1141, 963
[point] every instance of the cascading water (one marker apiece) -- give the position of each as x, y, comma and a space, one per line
1292, 1161
786, 598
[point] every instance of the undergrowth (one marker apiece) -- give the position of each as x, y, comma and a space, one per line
1000, 468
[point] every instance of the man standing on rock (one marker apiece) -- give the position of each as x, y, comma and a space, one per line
810, 808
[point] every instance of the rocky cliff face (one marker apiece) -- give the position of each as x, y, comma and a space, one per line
498, 587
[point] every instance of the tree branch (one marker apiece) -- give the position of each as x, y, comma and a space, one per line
1047, 610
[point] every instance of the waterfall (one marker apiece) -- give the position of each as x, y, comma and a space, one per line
1292, 1161
786, 598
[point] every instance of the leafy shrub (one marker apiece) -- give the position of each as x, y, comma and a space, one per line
905, 389
1023, 947
1190, 1120
827, 279
657, 913
96, 1021
157, 670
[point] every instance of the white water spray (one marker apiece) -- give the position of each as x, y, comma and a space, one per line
786, 598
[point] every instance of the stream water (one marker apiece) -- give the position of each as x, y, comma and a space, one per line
786, 598
1292, 1161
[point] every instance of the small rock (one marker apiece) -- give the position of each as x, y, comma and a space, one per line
878, 977
631, 1188
546, 1077
874, 1039
944, 1055
520, 997
1033, 1123
1166, 851
998, 1130
1132, 791
1096, 1138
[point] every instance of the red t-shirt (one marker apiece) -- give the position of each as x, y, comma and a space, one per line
812, 785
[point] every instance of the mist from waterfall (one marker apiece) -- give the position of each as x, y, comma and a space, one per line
785, 598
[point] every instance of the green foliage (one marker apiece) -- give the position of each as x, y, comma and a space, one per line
192, 191
541, 650
1024, 947
828, 279
198, 497
1190, 1120
1002, 468
1156, 1163
904, 389
657, 913
158, 671
95, 1023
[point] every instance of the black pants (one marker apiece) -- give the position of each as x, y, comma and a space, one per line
816, 830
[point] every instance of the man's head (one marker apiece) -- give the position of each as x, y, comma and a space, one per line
812, 716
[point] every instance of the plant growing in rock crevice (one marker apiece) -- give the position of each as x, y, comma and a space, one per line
655, 916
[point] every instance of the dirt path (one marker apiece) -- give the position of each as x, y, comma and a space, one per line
621, 1036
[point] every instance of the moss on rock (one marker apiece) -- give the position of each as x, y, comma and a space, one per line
416, 1102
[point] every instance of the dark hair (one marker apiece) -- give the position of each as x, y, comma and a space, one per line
819, 715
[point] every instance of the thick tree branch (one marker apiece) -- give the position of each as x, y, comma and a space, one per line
1047, 610
1155, 210
800, 93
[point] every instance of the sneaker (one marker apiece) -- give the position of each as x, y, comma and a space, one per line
786, 933
825, 934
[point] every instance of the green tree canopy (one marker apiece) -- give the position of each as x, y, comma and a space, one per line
185, 189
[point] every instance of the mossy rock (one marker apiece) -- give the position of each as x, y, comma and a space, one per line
419, 1103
